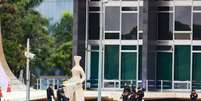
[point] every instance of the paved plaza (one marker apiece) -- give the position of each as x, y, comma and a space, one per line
115, 95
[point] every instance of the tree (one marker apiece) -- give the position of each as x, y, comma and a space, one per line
19, 23
62, 34
62, 31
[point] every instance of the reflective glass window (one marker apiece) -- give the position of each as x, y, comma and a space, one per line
182, 36
197, 26
165, 26
112, 18
140, 63
164, 48
196, 66
94, 47
111, 62
196, 71
128, 66
164, 66
129, 26
129, 0
165, 0
129, 8
140, 35
94, 8
182, 62
94, 65
165, 8
94, 26
94, 61
128, 47
197, 48
197, 8
183, 18
111, 35
141, 18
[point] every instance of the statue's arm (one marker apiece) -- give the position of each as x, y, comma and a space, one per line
83, 76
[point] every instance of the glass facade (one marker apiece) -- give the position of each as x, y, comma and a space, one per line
94, 63
140, 18
182, 62
165, 26
183, 18
129, 29
128, 66
111, 69
178, 42
196, 66
94, 26
196, 26
164, 66
112, 18
128, 62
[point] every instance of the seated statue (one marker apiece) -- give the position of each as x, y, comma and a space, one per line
73, 87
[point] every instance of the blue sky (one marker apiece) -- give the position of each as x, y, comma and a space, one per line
53, 9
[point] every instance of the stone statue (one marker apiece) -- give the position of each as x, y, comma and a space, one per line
73, 87
21, 76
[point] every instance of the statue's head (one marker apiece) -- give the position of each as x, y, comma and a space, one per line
77, 59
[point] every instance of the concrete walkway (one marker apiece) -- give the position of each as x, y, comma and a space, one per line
115, 95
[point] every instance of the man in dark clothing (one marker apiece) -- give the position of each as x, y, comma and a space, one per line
133, 95
193, 96
60, 94
126, 93
50, 93
140, 94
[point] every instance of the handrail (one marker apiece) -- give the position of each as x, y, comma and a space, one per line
151, 85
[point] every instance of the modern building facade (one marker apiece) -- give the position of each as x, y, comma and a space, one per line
151, 43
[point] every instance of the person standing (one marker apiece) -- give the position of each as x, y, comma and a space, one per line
133, 95
126, 93
50, 93
193, 96
61, 95
140, 94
